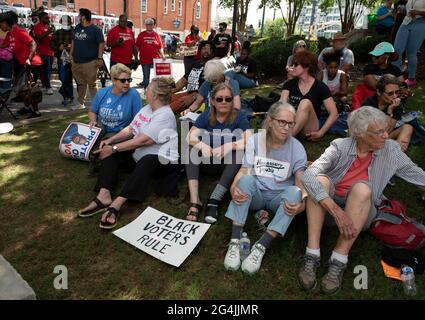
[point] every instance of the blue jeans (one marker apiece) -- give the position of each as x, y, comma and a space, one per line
256, 201
47, 70
244, 82
409, 38
146, 68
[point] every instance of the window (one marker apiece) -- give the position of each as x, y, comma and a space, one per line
165, 6
180, 8
144, 6
198, 10
55, 3
173, 5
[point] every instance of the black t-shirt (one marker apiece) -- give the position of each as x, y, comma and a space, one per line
373, 69
373, 102
195, 76
248, 65
222, 39
317, 94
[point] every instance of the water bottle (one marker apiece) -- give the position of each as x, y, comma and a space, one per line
245, 246
408, 278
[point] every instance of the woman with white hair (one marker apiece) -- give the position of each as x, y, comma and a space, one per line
213, 75
348, 181
270, 178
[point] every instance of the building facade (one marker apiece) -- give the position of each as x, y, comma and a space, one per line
175, 16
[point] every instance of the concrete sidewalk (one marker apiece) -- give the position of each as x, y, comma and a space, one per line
52, 106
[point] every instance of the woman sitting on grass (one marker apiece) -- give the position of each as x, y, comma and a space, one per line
270, 178
150, 149
217, 134
387, 99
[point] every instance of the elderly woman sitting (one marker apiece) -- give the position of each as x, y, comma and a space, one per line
387, 99
348, 181
223, 131
150, 149
270, 178
115, 106
213, 75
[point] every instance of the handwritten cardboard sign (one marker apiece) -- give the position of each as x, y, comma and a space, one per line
164, 237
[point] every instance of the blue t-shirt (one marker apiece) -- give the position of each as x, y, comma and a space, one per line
116, 112
388, 21
86, 43
206, 88
221, 133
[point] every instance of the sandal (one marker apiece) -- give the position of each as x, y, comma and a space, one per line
100, 208
193, 213
109, 212
211, 213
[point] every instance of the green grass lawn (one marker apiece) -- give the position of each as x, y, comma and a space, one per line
41, 192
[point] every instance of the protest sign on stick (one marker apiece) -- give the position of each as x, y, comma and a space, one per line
163, 68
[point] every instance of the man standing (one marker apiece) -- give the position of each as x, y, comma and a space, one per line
339, 45
121, 40
223, 42
86, 56
43, 37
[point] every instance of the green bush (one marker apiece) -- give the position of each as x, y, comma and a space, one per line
362, 47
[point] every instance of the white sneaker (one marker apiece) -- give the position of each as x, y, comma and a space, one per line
232, 261
253, 262
78, 106
49, 91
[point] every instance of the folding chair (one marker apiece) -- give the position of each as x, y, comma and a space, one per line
5, 91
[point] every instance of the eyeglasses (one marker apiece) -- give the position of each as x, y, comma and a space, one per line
284, 123
381, 132
124, 80
221, 99
393, 93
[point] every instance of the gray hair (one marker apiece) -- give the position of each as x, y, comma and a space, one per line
214, 70
149, 21
272, 113
360, 119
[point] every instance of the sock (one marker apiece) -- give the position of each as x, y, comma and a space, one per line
218, 193
266, 239
236, 231
313, 252
340, 257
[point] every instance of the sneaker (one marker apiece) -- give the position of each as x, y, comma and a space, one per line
24, 110
35, 114
307, 271
78, 106
410, 83
332, 281
49, 91
232, 261
252, 263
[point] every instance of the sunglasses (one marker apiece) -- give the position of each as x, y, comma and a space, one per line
124, 80
221, 99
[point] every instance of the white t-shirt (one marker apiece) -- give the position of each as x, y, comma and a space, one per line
160, 126
275, 170
413, 5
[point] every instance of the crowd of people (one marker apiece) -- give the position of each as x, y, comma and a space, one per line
266, 172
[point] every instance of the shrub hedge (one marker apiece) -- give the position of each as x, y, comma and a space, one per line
363, 46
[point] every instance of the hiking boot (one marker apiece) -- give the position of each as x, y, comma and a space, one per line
332, 281
307, 271
252, 263
232, 261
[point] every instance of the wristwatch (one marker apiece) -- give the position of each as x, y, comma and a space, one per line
114, 148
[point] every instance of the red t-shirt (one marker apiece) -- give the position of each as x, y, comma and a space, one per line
358, 171
189, 38
124, 52
19, 41
43, 46
149, 44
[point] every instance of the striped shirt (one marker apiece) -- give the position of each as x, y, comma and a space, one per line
340, 155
